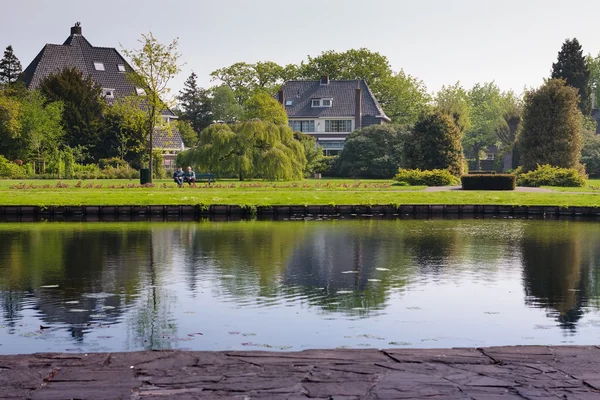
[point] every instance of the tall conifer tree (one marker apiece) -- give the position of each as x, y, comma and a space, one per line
572, 67
195, 104
10, 67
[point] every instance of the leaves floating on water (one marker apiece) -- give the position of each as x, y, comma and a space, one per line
266, 346
349, 272
365, 336
234, 333
195, 334
400, 344
49, 286
248, 334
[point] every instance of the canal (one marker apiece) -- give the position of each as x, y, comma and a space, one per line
294, 285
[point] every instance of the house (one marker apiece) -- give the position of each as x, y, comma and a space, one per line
330, 109
107, 68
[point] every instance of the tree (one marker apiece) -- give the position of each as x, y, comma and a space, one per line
10, 125
404, 98
188, 134
486, 115
590, 153
252, 149
313, 152
454, 101
224, 105
264, 107
435, 143
551, 132
10, 67
83, 108
42, 128
195, 104
573, 68
374, 152
154, 65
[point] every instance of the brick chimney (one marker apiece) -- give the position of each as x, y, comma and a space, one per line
281, 96
324, 80
76, 30
358, 107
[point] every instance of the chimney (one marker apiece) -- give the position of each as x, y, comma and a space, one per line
324, 80
358, 107
281, 96
76, 30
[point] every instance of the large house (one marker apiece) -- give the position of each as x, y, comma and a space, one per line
107, 68
330, 109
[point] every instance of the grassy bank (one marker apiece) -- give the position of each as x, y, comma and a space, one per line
310, 192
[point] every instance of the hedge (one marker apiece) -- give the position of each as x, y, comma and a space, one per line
435, 177
546, 175
482, 172
489, 182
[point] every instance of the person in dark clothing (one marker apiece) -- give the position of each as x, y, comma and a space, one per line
189, 176
178, 176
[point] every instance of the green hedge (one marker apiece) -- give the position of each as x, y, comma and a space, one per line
416, 177
546, 175
482, 172
489, 182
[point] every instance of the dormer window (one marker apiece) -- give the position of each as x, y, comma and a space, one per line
99, 66
288, 102
108, 93
316, 102
326, 102
121, 67
321, 102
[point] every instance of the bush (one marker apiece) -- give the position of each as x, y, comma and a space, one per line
328, 166
9, 169
489, 182
546, 175
482, 172
416, 177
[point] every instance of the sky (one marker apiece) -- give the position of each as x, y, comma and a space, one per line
511, 42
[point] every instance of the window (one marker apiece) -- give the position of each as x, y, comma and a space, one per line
288, 102
316, 102
140, 91
108, 93
121, 67
302, 126
99, 66
326, 102
331, 145
338, 125
490, 156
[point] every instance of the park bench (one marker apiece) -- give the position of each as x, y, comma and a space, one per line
206, 178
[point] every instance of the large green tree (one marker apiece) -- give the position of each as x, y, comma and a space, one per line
573, 68
252, 149
224, 105
264, 107
83, 108
10, 125
154, 65
373, 152
403, 97
552, 127
10, 67
453, 100
435, 143
194, 104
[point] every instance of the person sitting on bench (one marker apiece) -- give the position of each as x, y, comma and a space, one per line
178, 176
189, 176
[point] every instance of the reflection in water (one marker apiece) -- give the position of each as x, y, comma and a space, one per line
107, 287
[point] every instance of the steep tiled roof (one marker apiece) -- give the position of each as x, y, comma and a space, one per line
77, 52
300, 93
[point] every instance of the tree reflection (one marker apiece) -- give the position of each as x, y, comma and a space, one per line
554, 270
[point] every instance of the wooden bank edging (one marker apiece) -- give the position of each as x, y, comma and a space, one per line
296, 210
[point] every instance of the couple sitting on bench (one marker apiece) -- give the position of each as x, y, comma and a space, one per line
180, 177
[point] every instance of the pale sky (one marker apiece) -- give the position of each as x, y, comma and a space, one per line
513, 42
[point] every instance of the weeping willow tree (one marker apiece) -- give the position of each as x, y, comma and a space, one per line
251, 149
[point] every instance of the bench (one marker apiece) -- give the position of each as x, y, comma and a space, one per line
206, 178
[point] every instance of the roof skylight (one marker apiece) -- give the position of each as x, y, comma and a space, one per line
99, 66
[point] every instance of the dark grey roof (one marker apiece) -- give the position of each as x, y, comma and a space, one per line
167, 140
342, 92
79, 53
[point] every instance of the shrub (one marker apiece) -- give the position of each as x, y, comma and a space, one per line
9, 169
482, 172
416, 177
328, 166
489, 182
546, 175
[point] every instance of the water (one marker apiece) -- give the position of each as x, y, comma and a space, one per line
255, 285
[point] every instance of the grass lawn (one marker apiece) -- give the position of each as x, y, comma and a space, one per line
308, 192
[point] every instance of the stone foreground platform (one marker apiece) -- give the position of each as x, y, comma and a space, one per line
532, 372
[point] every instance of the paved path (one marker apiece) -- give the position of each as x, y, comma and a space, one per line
532, 372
